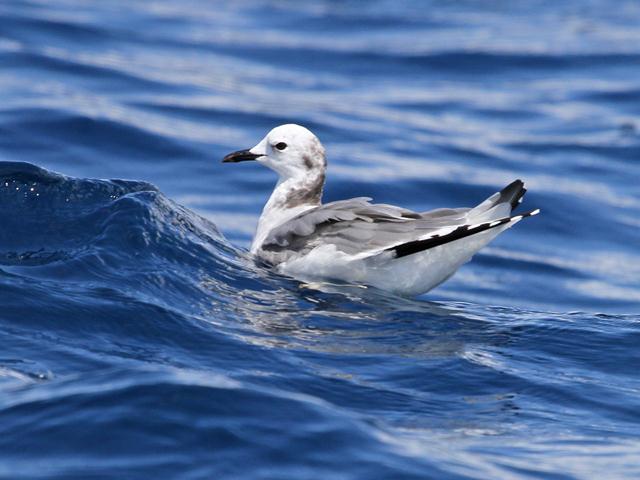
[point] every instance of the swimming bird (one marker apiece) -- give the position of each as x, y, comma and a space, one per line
355, 241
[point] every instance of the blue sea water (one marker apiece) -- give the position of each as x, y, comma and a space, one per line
139, 340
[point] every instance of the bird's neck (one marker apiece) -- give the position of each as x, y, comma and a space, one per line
291, 197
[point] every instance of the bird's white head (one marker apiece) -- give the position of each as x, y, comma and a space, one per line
290, 150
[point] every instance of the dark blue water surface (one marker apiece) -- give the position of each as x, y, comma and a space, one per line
139, 340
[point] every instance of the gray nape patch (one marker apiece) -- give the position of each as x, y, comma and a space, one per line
308, 194
307, 162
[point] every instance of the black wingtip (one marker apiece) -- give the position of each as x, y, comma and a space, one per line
463, 231
512, 193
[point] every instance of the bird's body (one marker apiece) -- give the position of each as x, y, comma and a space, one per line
384, 246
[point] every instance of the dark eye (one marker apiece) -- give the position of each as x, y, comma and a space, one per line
281, 146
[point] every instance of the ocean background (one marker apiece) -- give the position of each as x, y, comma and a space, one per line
139, 340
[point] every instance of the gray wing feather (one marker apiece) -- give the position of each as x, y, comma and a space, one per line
356, 225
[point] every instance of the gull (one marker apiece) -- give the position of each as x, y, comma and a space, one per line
358, 242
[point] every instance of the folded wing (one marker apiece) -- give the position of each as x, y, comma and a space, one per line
357, 227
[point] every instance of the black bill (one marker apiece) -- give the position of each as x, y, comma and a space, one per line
240, 156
